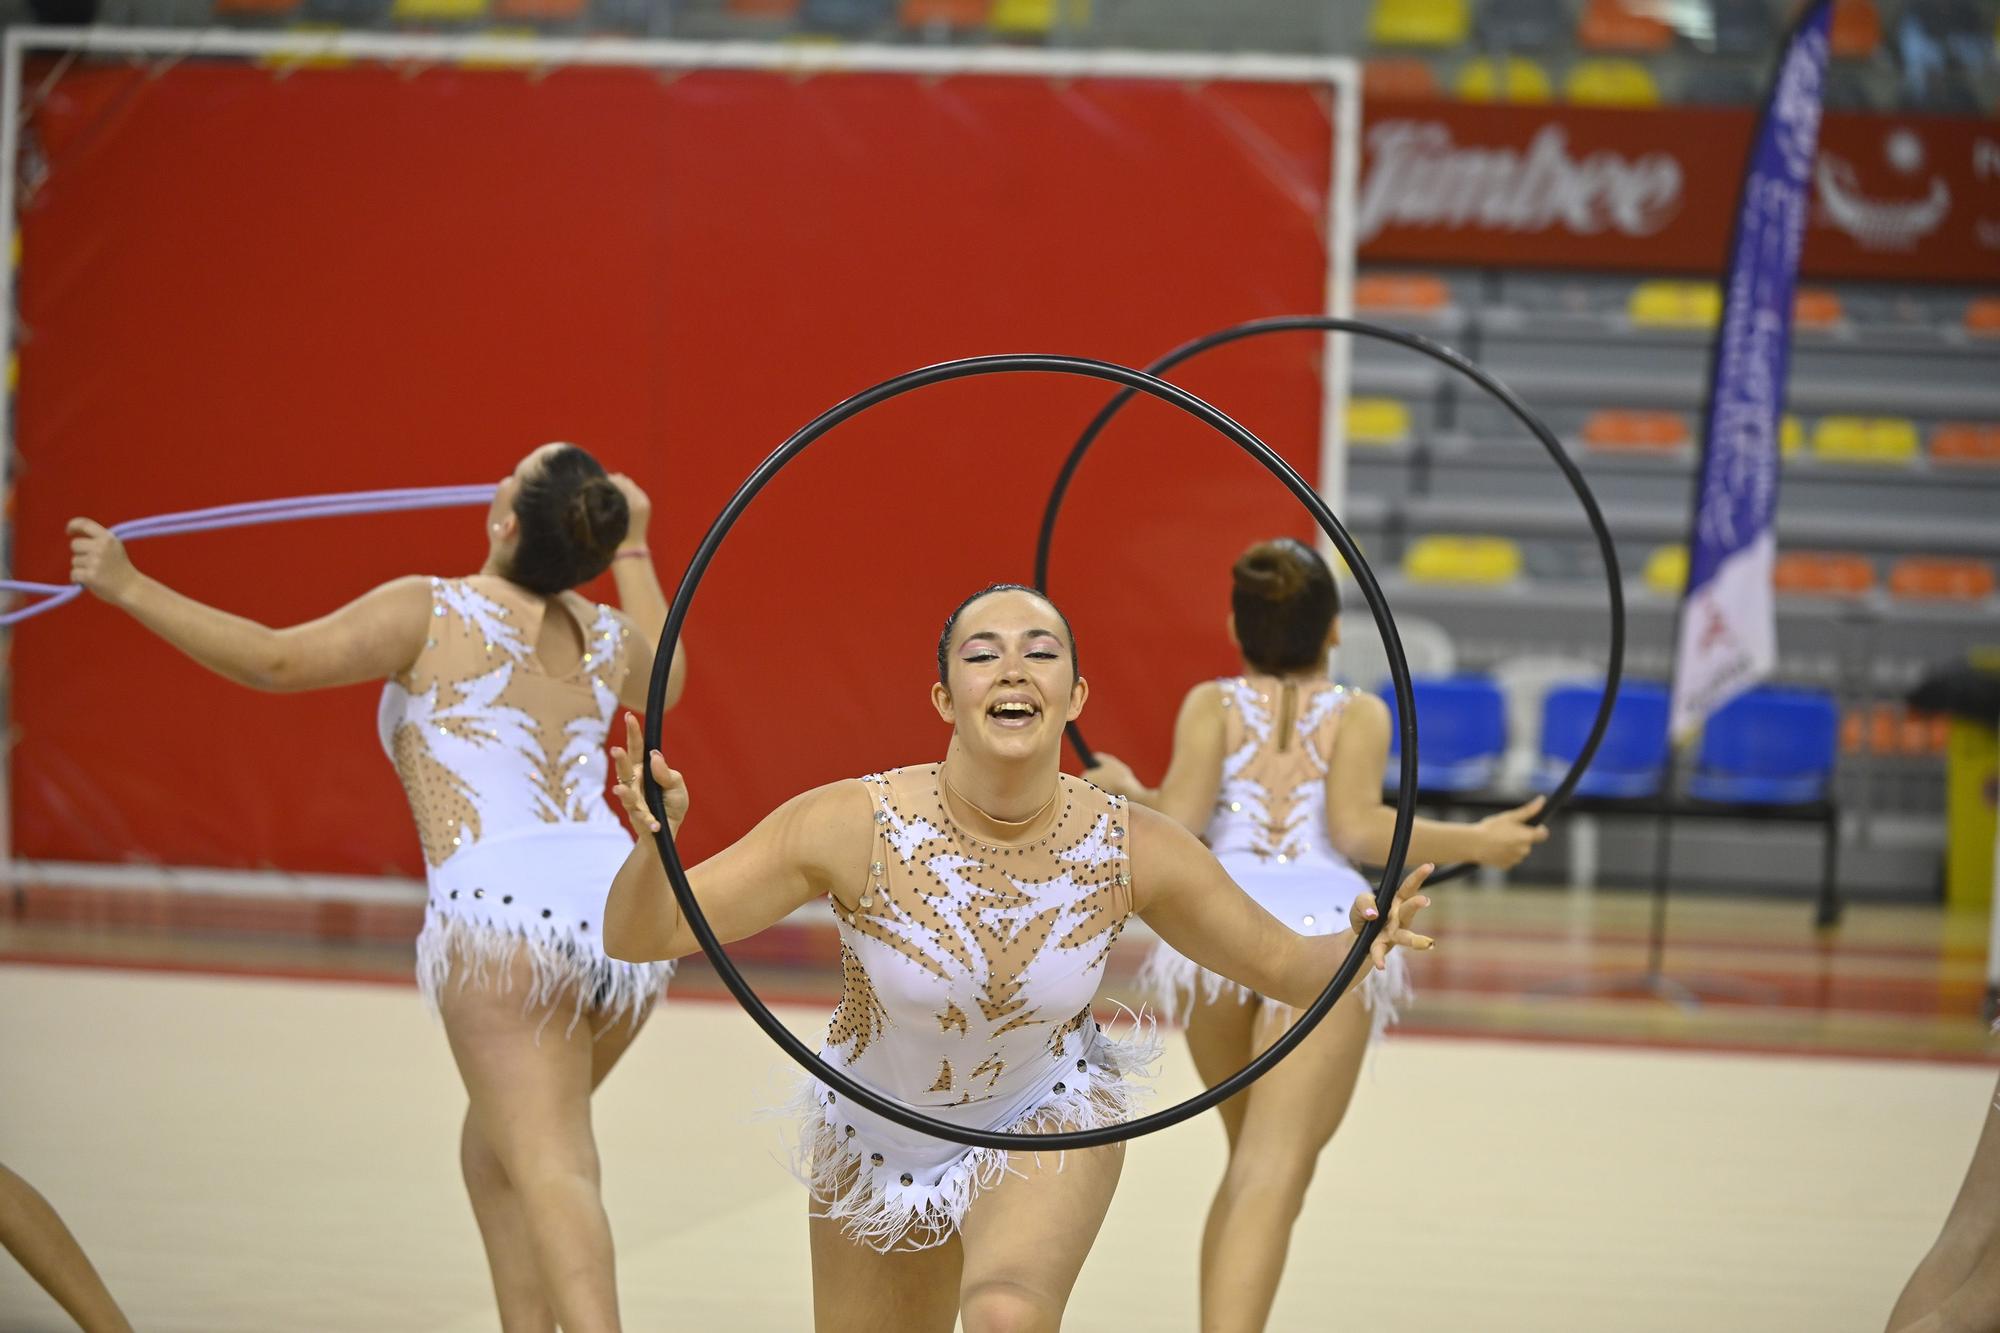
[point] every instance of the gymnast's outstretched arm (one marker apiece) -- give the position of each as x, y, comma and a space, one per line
812, 845
1185, 895
373, 637
1194, 774
1361, 823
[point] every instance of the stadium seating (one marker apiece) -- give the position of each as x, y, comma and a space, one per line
1845, 439
1610, 83
1967, 443
1822, 574
254, 10
1631, 759
1621, 25
541, 12
1617, 430
1925, 579
1667, 570
1520, 25
944, 15
1399, 77
1454, 559
1401, 293
1769, 746
1857, 30
1383, 421
1503, 79
1672, 304
1432, 23
1461, 732
434, 12
1816, 308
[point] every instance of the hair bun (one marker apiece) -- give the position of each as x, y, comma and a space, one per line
596, 517
1270, 573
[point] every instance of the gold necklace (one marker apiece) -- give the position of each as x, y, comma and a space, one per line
1003, 823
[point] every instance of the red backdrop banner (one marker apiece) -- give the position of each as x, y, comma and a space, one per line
238, 286
1914, 197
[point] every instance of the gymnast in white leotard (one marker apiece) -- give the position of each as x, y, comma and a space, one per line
501, 686
1281, 771
976, 900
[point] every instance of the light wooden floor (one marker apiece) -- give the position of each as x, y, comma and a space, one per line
1894, 981
273, 1156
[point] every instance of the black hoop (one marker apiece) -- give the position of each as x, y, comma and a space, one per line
1135, 381
1615, 672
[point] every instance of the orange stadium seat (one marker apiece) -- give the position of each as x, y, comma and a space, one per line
1966, 442
1612, 429
255, 9
1504, 79
1405, 292
1394, 77
1619, 25
1891, 728
1823, 574
1920, 578
540, 11
1983, 316
1816, 308
1439, 23
944, 14
1857, 29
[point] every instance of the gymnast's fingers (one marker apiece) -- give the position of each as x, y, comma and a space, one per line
1361, 911
673, 789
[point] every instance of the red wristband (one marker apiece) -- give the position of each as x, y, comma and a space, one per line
635, 553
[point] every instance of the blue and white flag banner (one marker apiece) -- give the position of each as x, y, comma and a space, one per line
1728, 638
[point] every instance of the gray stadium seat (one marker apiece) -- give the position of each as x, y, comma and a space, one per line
1520, 25
1743, 27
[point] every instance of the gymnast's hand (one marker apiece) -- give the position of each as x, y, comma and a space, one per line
638, 505
1114, 775
1396, 934
1508, 837
97, 560
631, 789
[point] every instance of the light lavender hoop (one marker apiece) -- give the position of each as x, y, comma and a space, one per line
342, 504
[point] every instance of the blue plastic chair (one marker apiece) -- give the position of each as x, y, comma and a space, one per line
1771, 746
1461, 731
1631, 760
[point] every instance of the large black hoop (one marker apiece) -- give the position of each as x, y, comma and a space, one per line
1134, 381
1437, 351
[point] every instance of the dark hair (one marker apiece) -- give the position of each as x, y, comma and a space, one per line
1285, 600
572, 518
951, 623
